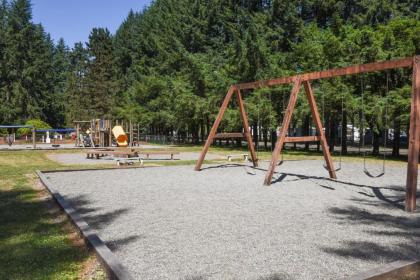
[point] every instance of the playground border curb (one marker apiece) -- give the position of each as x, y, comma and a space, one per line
388, 271
110, 262
95, 169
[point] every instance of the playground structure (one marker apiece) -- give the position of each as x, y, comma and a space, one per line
305, 79
100, 133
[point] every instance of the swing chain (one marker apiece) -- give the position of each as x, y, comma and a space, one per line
365, 170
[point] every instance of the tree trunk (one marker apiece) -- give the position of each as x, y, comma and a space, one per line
202, 132
273, 139
207, 126
327, 130
255, 135
265, 137
332, 135
344, 134
396, 141
375, 148
306, 126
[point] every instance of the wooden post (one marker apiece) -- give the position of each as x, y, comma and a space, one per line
34, 137
138, 134
414, 141
244, 118
214, 128
286, 121
77, 134
110, 134
319, 128
131, 133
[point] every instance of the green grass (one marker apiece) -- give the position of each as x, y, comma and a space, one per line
33, 243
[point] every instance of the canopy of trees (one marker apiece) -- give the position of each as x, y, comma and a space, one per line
169, 66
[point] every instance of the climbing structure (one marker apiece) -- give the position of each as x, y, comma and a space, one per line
305, 79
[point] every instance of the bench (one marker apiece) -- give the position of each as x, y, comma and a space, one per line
148, 153
129, 161
100, 153
244, 156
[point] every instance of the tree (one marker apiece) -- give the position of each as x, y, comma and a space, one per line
61, 68
76, 88
27, 58
102, 86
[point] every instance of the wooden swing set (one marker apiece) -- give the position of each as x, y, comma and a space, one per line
305, 79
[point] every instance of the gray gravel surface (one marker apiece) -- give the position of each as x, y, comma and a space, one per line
221, 223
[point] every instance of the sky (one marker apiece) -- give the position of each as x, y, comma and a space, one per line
74, 19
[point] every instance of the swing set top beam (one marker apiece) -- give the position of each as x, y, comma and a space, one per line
350, 70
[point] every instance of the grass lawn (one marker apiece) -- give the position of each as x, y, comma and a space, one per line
36, 241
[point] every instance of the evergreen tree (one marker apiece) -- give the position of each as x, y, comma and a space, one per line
4, 110
102, 87
61, 68
76, 87
28, 58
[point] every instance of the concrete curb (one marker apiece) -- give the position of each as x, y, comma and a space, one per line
95, 169
394, 270
110, 262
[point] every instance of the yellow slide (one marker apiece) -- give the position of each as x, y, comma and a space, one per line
120, 135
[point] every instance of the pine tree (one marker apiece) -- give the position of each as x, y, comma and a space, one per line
102, 80
19, 35
76, 86
61, 67
4, 110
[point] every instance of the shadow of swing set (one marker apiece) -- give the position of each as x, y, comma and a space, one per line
305, 80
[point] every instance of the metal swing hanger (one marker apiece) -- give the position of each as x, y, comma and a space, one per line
365, 169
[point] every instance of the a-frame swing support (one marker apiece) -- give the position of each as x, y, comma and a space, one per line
246, 133
298, 80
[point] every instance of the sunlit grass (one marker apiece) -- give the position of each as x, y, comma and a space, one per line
33, 244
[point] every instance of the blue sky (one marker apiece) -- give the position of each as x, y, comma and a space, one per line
74, 19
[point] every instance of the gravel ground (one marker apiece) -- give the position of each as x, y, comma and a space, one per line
221, 223
80, 158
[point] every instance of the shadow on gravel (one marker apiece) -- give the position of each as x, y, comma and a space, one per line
90, 214
117, 244
393, 201
233, 165
406, 228
98, 221
277, 276
274, 276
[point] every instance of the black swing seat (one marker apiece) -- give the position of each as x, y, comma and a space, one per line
369, 174
337, 169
